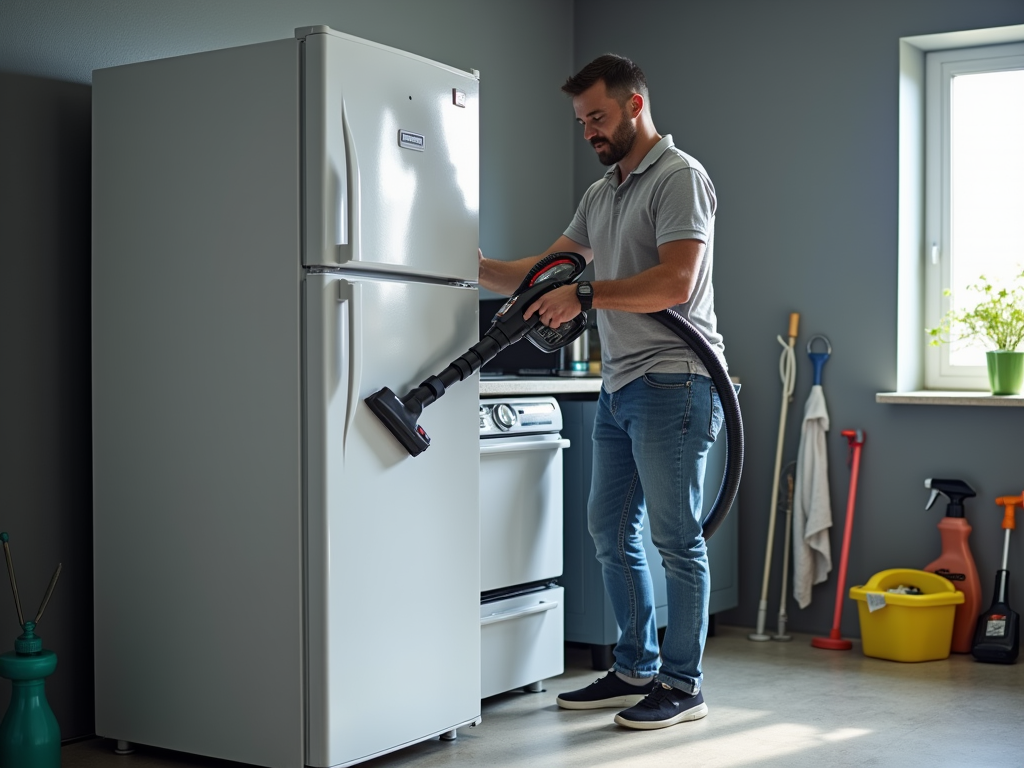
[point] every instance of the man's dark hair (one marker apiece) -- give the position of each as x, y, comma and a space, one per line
621, 77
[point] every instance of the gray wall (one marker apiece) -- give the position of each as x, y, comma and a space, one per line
792, 107
47, 54
45, 469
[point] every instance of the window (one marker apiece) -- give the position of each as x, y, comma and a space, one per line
924, 271
974, 196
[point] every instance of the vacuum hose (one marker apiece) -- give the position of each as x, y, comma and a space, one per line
685, 330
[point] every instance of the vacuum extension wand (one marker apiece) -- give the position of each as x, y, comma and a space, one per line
400, 415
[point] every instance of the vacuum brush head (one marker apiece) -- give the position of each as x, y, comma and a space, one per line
400, 420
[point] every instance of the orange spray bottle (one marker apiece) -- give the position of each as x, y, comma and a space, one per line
956, 562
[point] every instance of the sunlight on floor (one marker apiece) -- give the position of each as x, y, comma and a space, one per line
756, 745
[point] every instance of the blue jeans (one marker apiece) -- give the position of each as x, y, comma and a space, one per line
651, 440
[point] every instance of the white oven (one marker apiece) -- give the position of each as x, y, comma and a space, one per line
521, 608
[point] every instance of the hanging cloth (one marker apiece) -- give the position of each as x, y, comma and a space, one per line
812, 506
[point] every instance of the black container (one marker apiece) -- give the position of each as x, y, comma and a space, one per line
997, 636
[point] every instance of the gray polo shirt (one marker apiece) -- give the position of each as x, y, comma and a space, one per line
668, 197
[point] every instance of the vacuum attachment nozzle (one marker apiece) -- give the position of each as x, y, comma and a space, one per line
400, 420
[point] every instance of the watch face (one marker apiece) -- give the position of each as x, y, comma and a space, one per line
584, 289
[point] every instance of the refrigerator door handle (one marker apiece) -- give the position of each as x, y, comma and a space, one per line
350, 349
516, 613
350, 213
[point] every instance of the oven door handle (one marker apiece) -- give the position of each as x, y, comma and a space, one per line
516, 613
504, 446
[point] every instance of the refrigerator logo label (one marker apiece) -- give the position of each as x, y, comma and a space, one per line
411, 140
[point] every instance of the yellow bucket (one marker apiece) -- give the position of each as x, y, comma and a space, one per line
907, 627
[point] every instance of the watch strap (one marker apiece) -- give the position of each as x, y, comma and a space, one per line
585, 294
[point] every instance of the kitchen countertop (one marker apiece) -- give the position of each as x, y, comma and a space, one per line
539, 385
543, 385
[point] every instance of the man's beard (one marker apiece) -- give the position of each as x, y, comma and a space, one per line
619, 145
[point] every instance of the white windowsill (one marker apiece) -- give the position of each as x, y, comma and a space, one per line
938, 397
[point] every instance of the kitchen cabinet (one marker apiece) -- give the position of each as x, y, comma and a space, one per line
588, 611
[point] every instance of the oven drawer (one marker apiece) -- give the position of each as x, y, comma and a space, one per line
521, 641
520, 510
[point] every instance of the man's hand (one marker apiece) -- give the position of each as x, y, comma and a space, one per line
555, 307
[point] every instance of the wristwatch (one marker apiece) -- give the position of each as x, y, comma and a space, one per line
585, 294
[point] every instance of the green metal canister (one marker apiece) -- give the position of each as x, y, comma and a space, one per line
29, 733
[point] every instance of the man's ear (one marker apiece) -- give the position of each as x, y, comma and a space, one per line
636, 104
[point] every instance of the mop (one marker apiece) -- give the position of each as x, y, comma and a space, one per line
787, 372
835, 641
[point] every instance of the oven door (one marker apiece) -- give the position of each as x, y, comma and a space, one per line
520, 510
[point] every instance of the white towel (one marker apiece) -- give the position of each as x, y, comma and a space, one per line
812, 508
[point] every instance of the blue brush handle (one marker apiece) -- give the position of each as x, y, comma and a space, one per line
818, 358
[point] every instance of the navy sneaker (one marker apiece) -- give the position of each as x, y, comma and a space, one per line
663, 707
607, 691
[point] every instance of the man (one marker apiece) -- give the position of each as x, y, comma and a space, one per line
648, 226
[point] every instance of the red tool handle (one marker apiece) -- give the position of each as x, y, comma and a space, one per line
855, 437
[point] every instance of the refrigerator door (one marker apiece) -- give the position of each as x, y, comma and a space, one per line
392, 541
391, 151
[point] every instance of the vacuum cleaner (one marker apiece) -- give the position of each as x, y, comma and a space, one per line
401, 414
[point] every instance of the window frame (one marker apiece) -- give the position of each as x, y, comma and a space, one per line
940, 69
913, 244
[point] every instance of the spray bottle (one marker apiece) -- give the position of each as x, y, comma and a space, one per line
956, 563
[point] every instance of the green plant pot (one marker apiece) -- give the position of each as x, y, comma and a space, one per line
1005, 371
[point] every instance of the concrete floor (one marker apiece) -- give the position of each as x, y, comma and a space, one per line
780, 705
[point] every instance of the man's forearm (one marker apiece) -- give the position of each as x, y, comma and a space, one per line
504, 276
652, 290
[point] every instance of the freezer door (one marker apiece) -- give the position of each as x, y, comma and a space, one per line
392, 154
392, 540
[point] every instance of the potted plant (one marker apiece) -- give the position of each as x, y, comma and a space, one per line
997, 320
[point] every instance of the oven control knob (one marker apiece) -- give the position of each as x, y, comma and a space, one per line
504, 416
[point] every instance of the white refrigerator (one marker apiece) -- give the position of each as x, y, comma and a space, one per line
280, 230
